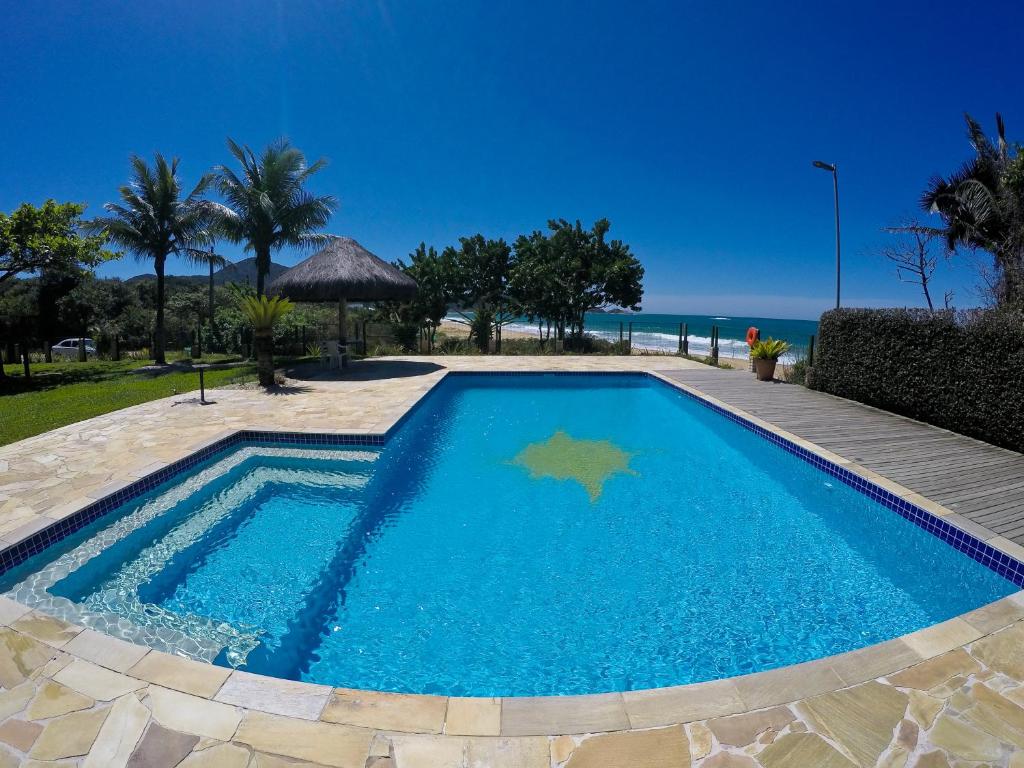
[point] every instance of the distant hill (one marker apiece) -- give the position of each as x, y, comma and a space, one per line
243, 272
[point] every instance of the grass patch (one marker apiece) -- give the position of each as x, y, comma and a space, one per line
63, 393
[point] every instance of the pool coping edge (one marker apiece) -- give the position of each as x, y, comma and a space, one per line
580, 714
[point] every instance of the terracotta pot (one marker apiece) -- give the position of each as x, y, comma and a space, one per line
765, 369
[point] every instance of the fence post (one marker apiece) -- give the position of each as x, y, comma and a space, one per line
631, 334
680, 338
810, 352
714, 344
686, 338
620, 331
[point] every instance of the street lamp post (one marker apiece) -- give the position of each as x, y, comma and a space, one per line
831, 167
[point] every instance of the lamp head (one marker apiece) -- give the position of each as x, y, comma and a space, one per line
824, 166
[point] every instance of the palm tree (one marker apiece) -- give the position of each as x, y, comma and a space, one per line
153, 221
263, 313
982, 206
213, 261
267, 206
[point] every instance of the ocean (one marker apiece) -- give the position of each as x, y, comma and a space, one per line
660, 333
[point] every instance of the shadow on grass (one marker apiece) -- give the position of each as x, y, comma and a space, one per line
363, 370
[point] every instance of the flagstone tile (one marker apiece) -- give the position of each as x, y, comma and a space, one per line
542, 715
160, 747
940, 638
473, 717
186, 675
802, 750
46, 629
336, 745
121, 731
20, 656
786, 684
97, 682
935, 671
105, 650
657, 748
69, 736
386, 711
959, 739
14, 699
274, 695
1003, 651
191, 714
20, 734
218, 756
682, 704
861, 719
743, 729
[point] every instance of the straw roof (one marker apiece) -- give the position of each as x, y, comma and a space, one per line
344, 269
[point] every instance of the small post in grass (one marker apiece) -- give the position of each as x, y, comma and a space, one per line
714, 345
686, 338
810, 352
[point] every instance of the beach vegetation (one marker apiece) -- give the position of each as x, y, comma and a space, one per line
981, 208
480, 272
267, 205
263, 313
153, 220
553, 278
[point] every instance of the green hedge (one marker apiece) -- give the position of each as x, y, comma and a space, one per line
963, 371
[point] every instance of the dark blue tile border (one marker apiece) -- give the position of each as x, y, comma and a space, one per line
992, 558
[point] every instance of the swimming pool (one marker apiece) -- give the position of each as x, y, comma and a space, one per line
517, 535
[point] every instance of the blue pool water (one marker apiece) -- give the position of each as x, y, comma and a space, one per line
518, 535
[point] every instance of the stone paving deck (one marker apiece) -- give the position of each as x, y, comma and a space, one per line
948, 696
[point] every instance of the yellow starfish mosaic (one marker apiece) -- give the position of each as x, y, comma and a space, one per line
589, 462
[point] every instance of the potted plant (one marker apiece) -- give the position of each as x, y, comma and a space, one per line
766, 355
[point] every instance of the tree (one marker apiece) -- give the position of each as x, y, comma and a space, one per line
539, 281
153, 221
481, 270
982, 206
213, 261
262, 314
49, 237
592, 272
48, 240
913, 256
19, 309
268, 206
434, 274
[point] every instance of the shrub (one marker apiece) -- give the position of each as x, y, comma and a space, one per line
962, 371
769, 349
797, 372
407, 336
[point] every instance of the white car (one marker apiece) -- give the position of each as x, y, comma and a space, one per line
68, 350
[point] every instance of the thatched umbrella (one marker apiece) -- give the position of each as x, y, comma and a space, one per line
344, 271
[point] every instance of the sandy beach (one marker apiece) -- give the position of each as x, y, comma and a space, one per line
461, 330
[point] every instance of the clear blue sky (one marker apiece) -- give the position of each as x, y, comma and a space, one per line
691, 126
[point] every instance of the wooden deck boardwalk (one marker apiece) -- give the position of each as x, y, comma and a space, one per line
979, 482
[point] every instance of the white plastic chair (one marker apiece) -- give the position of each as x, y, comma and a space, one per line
329, 354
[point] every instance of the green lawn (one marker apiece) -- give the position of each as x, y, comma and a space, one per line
63, 393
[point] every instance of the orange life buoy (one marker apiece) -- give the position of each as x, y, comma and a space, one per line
752, 335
